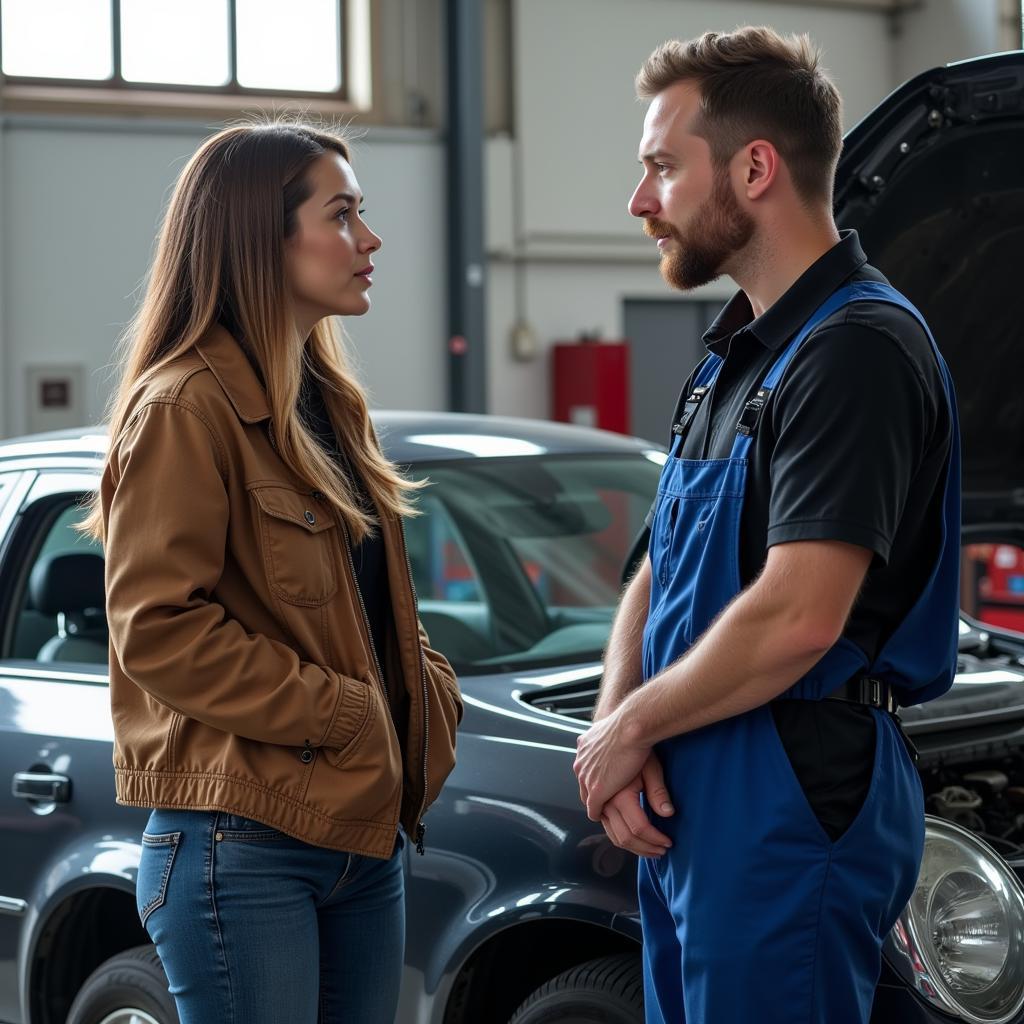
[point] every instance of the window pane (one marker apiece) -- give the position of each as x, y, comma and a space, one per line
289, 46
441, 567
59, 622
452, 605
57, 38
180, 42
517, 561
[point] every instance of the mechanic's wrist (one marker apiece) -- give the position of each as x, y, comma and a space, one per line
631, 731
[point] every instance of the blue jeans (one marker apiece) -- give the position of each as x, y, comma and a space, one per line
255, 927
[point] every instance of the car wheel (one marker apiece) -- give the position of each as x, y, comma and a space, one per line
130, 988
605, 991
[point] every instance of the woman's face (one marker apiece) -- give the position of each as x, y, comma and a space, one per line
328, 256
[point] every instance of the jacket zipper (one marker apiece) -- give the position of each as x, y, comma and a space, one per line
421, 829
320, 496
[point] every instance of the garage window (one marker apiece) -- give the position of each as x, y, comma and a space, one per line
302, 47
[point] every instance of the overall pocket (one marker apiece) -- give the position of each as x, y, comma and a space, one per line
665, 539
661, 537
831, 750
298, 545
706, 542
158, 852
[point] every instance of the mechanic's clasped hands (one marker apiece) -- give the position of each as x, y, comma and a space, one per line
612, 774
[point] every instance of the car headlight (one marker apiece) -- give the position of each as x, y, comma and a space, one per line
960, 940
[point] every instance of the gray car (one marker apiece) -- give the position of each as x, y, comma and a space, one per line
521, 910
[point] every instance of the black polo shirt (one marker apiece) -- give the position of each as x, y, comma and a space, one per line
852, 446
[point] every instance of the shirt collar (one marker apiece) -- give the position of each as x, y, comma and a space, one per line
780, 321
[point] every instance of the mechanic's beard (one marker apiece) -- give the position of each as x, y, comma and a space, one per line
717, 231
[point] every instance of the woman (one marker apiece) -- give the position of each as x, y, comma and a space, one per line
274, 697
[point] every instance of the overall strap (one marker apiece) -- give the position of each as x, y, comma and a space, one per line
706, 376
751, 415
923, 647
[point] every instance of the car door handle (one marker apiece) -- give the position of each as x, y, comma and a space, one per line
42, 786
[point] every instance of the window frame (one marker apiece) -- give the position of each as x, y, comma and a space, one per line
357, 42
43, 498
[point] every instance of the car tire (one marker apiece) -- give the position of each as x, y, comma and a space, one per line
609, 990
130, 983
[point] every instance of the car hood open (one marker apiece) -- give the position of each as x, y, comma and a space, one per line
933, 180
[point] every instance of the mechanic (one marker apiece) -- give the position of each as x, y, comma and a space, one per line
802, 573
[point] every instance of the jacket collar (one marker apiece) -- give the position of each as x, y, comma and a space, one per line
235, 373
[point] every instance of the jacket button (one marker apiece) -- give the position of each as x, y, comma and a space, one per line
309, 517
306, 756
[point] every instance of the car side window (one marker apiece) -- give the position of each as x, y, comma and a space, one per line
441, 567
452, 602
61, 616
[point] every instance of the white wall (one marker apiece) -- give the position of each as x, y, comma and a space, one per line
80, 202
577, 115
942, 31
80, 199
558, 190
573, 161
80, 207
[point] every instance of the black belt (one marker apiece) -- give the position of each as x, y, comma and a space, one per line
866, 690
873, 693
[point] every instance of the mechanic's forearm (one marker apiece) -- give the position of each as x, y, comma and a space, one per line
758, 648
623, 662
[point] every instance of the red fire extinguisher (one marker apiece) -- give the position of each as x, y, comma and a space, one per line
590, 383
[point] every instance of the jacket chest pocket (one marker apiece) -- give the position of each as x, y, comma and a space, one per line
297, 537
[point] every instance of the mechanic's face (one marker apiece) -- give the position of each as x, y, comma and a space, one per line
686, 202
328, 257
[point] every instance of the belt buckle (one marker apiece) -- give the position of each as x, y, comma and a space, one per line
875, 693
880, 696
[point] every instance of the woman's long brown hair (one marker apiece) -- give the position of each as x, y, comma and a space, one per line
220, 259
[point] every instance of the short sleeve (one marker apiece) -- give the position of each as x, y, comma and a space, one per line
851, 419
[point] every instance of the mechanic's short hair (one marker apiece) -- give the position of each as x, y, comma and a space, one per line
755, 83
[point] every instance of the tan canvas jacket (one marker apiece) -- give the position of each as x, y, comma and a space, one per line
242, 674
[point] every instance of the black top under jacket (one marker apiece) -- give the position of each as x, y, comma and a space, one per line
368, 557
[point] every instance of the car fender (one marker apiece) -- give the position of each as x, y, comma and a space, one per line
481, 922
90, 861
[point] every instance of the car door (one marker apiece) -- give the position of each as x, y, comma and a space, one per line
56, 776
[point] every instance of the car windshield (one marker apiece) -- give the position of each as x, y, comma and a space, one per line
518, 562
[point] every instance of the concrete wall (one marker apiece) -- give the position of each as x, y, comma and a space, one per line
565, 252
80, 204
570, 253
943, 31
80, 198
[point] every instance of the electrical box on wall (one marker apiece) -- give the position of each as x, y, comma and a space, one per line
55, 397
590, 383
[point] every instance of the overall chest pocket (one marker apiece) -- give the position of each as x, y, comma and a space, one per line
297, 537
663, 533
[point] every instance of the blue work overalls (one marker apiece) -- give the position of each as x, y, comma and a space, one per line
755, 916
